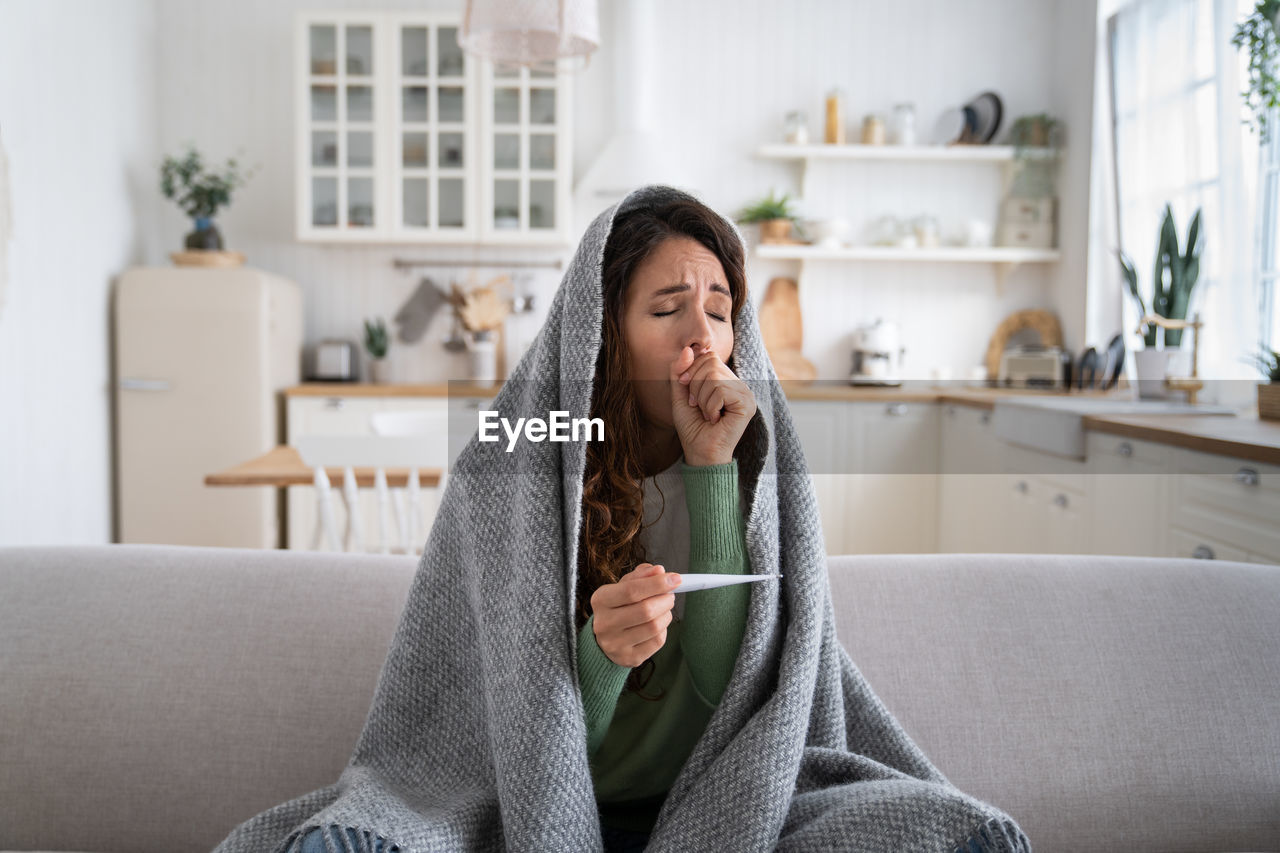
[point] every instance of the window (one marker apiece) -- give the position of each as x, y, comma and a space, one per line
1179, 139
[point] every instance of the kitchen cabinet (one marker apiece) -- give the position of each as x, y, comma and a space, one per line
1223, 506
350, 415
1132, 484
401, 137
970, 510
874, 470
1046, 501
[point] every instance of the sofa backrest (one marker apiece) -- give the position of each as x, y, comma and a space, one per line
152, 697
1106, 703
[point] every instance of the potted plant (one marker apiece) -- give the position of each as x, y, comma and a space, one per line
774, 215
376, 344
200, 194
1259, 32
1268, 361
1175, 276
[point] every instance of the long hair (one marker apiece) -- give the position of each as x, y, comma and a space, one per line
612, 501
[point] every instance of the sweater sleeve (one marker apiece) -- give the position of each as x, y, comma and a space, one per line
601, 681
714, 619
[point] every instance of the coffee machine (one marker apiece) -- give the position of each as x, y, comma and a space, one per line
877, 355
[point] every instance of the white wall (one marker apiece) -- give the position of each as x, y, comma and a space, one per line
78, 121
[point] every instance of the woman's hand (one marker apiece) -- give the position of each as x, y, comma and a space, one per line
710, 407
632, 615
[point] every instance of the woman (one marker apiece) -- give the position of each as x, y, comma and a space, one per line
544, 690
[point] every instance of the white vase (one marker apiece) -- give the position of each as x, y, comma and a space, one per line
482, 350
379, 371
1152, 368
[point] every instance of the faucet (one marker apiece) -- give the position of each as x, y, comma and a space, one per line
1191, 385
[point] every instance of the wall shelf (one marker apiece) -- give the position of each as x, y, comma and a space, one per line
1005, 258
945, 153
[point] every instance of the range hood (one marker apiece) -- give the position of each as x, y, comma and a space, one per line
636, 154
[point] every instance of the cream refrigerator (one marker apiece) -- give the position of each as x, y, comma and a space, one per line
201, 356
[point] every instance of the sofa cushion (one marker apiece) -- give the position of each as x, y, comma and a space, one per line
1106, 703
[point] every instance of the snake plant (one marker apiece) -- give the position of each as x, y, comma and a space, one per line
1173, 280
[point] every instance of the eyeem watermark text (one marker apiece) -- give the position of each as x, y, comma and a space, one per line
559, 427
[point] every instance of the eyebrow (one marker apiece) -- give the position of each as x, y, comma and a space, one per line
682, 287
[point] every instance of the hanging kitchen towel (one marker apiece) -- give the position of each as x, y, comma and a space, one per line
476, 739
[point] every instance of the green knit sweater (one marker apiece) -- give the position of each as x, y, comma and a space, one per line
638, 745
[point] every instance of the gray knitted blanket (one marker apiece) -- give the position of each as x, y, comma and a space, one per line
476, 739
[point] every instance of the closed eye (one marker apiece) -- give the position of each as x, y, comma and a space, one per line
709, 314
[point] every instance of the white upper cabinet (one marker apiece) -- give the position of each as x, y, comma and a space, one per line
402, 138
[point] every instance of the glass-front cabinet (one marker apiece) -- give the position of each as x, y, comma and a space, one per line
403, 138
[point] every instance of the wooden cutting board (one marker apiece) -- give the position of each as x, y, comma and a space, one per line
783, 331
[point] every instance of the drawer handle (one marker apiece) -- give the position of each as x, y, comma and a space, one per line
1125, 449
1060, 500
1202, 552
334, 403
896, 409
1247, 476
1022, 486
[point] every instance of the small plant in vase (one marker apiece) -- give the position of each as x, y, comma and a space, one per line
200, 193
774, 215
376, 343
1174, 279
1268, 361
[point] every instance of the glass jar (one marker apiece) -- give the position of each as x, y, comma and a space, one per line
834, 134
873, 129
904, 124
795, 128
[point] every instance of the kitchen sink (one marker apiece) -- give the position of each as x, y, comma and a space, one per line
1056, 424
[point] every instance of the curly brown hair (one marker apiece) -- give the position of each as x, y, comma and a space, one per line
612, 501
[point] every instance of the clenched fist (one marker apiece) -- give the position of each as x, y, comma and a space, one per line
632, 615
710, 407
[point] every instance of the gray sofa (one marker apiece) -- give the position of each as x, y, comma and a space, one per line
153, 697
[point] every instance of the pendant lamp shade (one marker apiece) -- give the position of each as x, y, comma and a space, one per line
531, 33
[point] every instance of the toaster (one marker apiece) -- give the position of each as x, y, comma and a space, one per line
1033, 367
335, 361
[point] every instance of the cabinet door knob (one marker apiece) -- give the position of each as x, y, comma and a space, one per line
1202, 552
896, 409
1125, 449
1022, 486
334, 403
1060, 500
1247, 476
986, 418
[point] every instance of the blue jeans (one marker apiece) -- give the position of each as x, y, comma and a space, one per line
313, 842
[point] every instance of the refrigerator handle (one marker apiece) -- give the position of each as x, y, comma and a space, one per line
144, 384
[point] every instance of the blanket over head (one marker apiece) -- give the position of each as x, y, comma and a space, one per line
476, 739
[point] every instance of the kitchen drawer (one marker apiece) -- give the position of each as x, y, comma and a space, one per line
1054, 471
331, 415
1113, 454
1234, 500
1190, 543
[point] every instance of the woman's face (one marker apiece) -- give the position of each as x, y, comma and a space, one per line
678, 297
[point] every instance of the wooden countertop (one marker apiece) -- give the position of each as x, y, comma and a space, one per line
1244, 436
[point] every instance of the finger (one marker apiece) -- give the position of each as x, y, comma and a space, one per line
697, 362
642, 612
644, 632
714, 403
703, 372
679, 366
